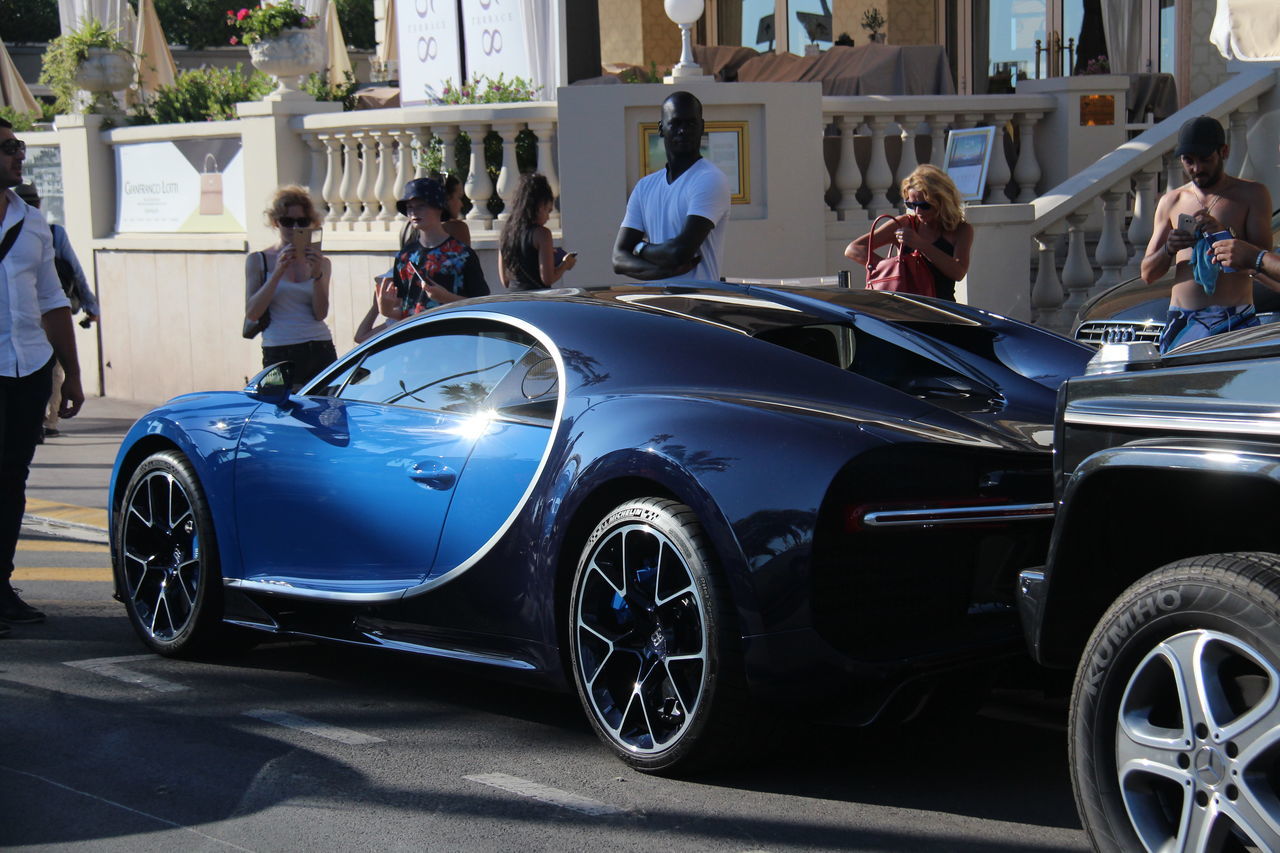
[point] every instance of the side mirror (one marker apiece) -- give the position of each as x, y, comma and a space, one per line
943, 386
272, 384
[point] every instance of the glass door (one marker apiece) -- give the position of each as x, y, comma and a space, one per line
996, 43
754, 23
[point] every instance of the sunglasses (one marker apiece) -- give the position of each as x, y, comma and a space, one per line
918, 205
291, 222
12, 147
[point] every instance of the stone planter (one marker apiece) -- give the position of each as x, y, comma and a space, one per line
289, 57
105, 71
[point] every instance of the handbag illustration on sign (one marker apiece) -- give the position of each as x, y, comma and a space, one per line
908, 272
210, 188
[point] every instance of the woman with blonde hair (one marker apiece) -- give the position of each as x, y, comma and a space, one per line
289, 284
935, 227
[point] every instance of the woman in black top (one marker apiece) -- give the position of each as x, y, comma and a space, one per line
526, 258
937, 229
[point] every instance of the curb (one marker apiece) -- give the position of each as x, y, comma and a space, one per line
50, 526
67, 521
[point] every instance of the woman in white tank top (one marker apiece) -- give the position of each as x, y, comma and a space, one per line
288, 284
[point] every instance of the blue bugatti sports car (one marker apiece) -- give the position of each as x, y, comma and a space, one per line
694, 505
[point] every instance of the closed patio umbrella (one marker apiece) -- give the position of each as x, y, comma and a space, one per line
156, 67
388, 40
336, 47
13, 91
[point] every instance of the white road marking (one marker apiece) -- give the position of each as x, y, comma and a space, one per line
110, 667
545, 794
293, 721
156, 818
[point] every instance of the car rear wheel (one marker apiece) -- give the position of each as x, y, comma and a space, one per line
1175, 713
655, 658
165, 558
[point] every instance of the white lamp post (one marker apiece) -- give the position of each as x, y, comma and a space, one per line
685, 13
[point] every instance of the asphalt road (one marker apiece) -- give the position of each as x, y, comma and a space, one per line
297, 746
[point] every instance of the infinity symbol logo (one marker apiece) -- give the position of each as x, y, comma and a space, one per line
428, 48
424, 7
491, 41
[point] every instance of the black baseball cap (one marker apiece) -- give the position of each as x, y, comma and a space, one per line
1200, 137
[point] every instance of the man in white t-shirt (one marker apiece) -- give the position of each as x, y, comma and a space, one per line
675, 221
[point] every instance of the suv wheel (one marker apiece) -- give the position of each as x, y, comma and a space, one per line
1175, 714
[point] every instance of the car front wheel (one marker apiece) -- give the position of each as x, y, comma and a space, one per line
165, 558
655, 657
1175, 713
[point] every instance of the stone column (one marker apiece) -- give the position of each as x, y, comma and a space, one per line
274, 154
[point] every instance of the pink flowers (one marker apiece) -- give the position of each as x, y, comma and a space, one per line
235, 40
256, 23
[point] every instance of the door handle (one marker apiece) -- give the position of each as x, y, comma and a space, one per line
433, 475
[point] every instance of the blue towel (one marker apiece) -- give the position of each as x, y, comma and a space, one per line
1203, 268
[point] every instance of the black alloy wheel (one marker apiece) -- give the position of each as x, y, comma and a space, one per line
165, 558
657, 666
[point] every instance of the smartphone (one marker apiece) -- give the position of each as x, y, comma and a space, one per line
1225, 234
306, 237
1187, 222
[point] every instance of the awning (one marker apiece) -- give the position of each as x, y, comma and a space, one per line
1247, 30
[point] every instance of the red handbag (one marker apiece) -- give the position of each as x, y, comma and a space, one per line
905, 272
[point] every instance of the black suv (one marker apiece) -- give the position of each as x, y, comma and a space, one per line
1162, 591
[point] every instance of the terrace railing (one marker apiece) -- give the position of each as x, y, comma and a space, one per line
360, 161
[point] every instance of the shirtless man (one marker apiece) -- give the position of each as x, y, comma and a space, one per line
1217, 301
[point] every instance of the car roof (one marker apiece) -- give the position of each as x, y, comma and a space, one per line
751, 308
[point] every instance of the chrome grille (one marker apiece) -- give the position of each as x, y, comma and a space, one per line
1115, 331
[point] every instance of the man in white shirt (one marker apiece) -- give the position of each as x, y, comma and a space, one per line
675, 221
70, 274
35, 325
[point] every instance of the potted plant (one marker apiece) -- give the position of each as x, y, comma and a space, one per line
91, 58
283, 41
873, 22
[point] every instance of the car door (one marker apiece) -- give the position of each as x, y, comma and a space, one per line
520, 414
343, 492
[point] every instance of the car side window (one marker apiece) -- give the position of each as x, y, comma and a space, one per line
530, 391
450, 367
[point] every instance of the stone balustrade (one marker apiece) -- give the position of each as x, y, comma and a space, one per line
360, 161
878, 141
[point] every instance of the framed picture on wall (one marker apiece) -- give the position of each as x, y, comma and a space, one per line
967, 158
724, 143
